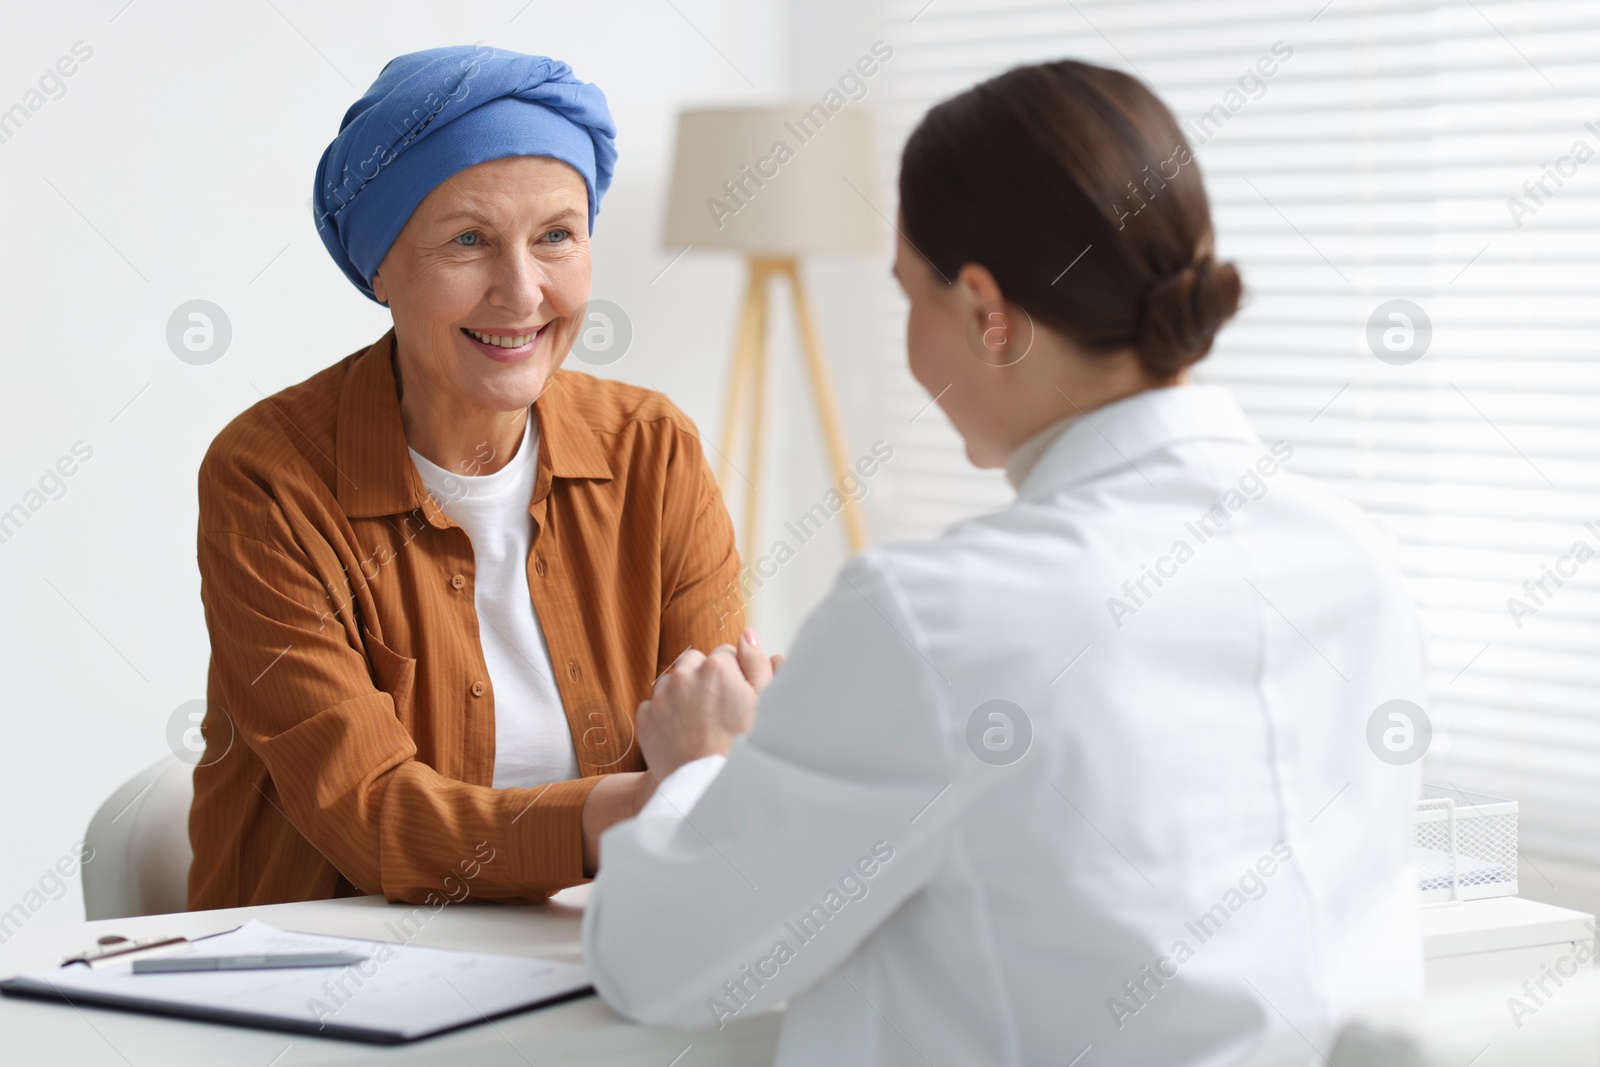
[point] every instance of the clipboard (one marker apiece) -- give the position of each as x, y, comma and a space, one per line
400, 993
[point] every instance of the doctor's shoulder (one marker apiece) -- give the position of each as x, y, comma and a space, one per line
989, 566
1367, 534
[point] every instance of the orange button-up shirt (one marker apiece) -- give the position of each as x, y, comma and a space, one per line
350, 725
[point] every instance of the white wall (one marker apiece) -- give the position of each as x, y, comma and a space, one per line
177, 165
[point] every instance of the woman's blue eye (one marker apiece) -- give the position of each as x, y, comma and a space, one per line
472, 238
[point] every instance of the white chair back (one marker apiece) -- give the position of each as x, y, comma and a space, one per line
140, 842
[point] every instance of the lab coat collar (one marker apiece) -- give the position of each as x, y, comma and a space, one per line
1117, 435
1025, 455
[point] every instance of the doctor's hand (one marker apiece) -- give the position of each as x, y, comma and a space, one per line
701, 704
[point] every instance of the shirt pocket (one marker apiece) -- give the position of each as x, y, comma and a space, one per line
393, 674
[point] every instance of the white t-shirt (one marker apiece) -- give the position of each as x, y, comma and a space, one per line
532, 742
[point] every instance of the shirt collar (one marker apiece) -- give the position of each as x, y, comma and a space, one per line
377, 475
1119, 434
1025, 455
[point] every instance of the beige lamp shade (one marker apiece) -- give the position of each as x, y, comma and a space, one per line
775, 180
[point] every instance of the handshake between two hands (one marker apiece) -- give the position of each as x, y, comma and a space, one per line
701, 703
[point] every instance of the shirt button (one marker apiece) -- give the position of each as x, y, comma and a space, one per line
538, 565
458, 581
477, 689
572, 668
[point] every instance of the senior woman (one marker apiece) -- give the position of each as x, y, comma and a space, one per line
439, 575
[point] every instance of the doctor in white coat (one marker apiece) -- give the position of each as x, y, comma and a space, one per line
1084, 781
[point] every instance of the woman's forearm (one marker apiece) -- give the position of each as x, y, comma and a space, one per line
616, 797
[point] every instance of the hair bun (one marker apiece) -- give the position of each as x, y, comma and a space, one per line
1181, 314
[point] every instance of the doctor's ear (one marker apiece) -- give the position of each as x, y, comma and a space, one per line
379, 290
998, 333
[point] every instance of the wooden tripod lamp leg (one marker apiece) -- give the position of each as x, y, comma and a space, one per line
761, 273
822, 385
744, 339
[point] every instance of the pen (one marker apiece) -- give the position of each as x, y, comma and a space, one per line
246, 963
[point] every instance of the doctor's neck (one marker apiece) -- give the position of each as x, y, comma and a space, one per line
1063, 383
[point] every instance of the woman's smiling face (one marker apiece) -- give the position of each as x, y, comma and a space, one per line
488, 282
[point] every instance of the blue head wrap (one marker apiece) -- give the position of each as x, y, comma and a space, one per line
433, 113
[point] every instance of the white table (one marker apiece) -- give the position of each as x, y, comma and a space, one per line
1503, 939
578, 1032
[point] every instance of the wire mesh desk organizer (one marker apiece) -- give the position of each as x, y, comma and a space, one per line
1466, 845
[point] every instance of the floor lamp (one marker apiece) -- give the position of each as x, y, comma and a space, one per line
775, 184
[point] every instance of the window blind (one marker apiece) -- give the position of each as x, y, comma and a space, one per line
1446, 154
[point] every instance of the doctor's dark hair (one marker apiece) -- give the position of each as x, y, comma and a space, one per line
1028, 170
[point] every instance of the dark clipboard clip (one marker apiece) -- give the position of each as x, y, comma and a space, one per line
113, 949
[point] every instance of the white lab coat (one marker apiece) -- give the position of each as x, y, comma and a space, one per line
1195, 859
